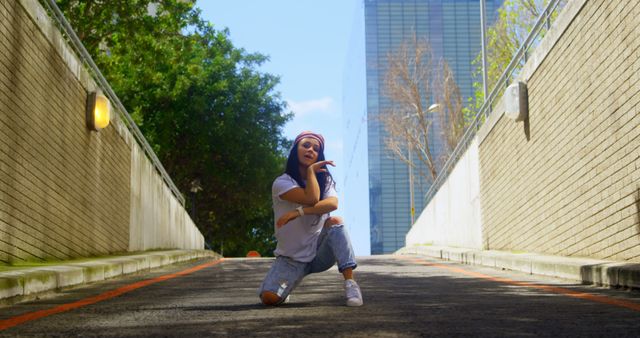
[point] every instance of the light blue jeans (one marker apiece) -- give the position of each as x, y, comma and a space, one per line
334, 246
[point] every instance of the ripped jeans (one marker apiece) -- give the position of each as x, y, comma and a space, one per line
334, 246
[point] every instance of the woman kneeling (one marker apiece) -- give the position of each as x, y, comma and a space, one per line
309, 239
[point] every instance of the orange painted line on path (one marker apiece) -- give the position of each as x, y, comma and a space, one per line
564, 291
27, 317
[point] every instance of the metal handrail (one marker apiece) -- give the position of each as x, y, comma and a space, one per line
85, 57
485, 109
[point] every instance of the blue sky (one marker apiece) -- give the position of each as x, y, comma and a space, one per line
308, 44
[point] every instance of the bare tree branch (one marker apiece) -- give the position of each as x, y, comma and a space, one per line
450, 106
411, 84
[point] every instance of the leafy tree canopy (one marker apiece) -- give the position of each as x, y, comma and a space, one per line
210, 116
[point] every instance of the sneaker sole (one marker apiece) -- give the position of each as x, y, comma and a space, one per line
354, 302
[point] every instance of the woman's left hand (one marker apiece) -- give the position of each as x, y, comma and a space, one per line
286, 218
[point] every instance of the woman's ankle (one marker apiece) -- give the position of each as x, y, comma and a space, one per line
347, 273
269, 298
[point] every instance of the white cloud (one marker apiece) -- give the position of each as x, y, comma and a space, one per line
321, 105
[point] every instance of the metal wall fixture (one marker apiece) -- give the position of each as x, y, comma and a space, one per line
98, 111
516, 102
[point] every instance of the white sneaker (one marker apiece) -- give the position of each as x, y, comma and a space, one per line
352, 292
286, 300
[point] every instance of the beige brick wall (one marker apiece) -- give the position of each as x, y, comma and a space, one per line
573, 187
64, 191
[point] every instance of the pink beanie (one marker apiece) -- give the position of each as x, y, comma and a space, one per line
312, 135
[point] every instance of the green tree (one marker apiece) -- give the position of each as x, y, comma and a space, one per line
515, 20
209, 115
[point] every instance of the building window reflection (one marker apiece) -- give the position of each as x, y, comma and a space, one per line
452, 27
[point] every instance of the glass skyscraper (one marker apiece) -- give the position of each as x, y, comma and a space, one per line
452, 28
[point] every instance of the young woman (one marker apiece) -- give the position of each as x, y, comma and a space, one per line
309, 240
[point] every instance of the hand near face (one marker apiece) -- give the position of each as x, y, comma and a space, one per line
318, 166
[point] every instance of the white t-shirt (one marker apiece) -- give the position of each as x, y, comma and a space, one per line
298, 238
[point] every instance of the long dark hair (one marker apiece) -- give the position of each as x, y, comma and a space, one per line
325, 180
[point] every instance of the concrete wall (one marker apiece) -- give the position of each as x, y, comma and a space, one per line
66, 191
63, 189
567, 182
452, 218
158, 220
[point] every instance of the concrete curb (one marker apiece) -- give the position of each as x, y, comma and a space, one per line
584, 270
20, 283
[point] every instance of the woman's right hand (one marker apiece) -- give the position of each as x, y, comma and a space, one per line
318, 166
286, 218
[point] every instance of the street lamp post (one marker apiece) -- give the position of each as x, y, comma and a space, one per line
484, 49
413, 209
432, 108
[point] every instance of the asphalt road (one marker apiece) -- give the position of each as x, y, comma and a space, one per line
403, 297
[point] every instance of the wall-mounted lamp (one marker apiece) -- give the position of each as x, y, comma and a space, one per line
516, 101
98, 111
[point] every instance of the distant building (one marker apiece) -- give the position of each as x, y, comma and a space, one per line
452, 28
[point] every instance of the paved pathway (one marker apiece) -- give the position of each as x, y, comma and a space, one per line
404, 296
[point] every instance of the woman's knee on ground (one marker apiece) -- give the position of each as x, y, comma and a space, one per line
269, 298
333, 220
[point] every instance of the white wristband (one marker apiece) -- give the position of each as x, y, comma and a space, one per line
300, 211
